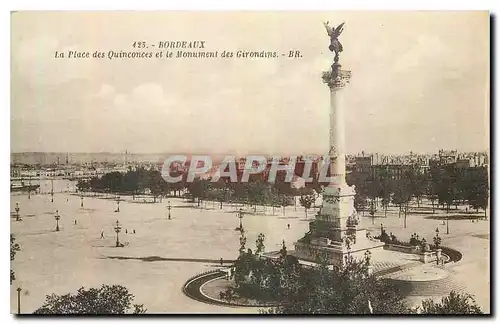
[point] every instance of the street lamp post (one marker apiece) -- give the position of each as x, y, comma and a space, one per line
169, 207
57, 217
81, 201
18, 218
52, 190
240, 216
405, 211
372, 212
29, 189
447, 226
117, 230
118, 204
437, 239
19, 300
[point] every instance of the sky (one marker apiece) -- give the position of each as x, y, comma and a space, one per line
420, 82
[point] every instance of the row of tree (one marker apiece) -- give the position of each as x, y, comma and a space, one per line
443, 185
257, 191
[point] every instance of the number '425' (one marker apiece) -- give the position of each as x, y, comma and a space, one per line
139, 44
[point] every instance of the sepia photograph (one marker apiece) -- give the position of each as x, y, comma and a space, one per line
250, 162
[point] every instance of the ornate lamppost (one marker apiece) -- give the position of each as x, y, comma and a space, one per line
437, 239
240, 216
169, 207
372, 212
81, 200
57, 217
447, 225
29, 189
117, 230
19, 300
18, 216
52, 190
284, 203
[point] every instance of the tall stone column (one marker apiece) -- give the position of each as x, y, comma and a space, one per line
334, 233
336, 80
338, 197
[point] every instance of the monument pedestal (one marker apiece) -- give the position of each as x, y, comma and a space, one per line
334, 233
334, 252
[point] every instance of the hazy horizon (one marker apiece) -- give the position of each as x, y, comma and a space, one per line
420, 82
232, 153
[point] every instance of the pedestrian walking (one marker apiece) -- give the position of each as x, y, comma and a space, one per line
221, 261
288, 226
102, 234
75, 221
134, 232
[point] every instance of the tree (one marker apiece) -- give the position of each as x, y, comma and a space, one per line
14, 248
197, 189
306, 202
360, 198
418, 184
257, 191
344, 290
403, 193
384, 188
282, 186
82, 185
131, 182
114, 299
350, 289
455, 303
478, 190
433, 187
156, 184
447, 188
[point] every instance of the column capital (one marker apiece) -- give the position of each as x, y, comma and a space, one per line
336, 78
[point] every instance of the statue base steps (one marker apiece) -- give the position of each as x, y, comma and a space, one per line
334, 252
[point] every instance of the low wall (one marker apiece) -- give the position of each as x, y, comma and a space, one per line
453, 254
192, 289
448, 254
401, 248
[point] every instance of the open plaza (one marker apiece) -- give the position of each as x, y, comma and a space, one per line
159, 255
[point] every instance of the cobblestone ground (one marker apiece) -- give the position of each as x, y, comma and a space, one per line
61, 262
